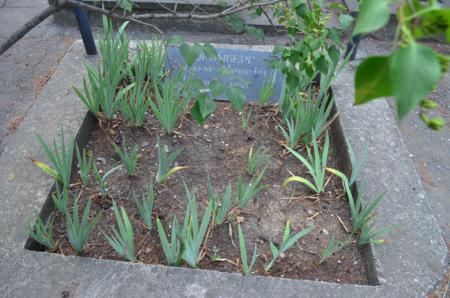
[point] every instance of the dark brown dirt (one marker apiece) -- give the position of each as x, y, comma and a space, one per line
219, 148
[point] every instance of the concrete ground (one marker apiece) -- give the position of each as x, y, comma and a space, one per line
27, 66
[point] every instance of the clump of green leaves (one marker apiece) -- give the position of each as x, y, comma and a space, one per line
248, 191
196, 233
145, 207
42, 233
317, 52
173, 250
165, 162
101, 179
155, 58
147, 65
104, 81
304, 116
257, 159
246, 119
60, 198
316, 165
288, 241
362, 216
84, 164
128, 159
267, 89
78, 231
123, 240
221, 207
60, 157
357, 165
246, 267
332, 248
169, 104
134, 102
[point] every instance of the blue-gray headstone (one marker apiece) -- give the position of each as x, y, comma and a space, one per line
250, 65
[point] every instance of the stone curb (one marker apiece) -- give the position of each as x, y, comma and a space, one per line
409, 265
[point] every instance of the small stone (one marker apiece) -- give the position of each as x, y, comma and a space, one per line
325, 232
145, 144
206, 126
101, 159
239, 219
310, 212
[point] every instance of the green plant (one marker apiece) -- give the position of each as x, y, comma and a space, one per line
61, 158
101, 179
302, 117
357, 165
412, 70
78, 232
129, 160
165, 162
247, 192
154, 58
146, 66
173, 250
123, 240
246, 119
267, 88
42, 233
332, 248
318, 51
256, 159
60, 199
246, 267
169, 104
134, 102
195, 235
84, 165
316, 165
91, 93
114, 53
288, 241
221, 207
145, 207
104, 81
362, 216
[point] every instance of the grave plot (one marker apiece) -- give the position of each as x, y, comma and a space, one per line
402, 267
170, 176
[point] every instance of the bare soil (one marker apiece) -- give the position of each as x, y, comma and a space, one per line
219, 149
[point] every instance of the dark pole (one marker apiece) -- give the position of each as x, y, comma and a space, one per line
352, 47
85, 31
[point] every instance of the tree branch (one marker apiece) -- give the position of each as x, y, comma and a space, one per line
173, 15
36, 20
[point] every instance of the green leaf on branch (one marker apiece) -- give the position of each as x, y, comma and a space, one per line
190, 53
372, 79
203, 108
209, 51
236, 97
414, 71
373, 14
125, 4
174, 40
345, 20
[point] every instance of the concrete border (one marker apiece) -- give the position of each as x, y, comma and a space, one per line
408, 266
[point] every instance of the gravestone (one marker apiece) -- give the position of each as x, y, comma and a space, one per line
249, 69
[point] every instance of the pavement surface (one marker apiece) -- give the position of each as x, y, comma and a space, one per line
27, 66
